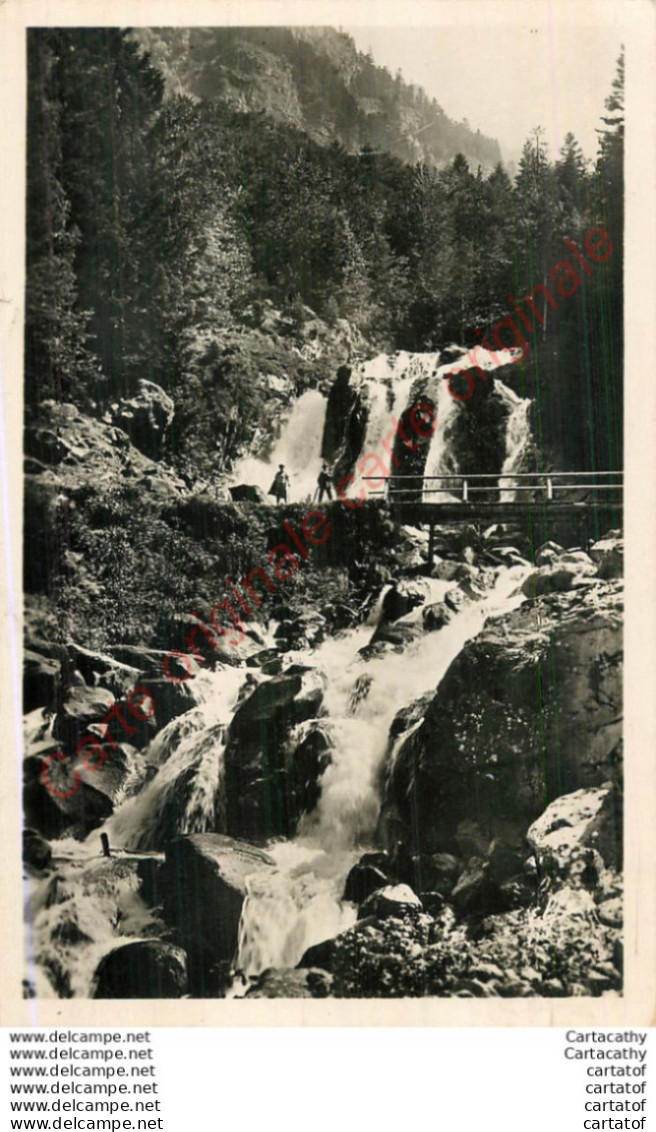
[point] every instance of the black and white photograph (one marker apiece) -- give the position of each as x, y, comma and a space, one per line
323, 535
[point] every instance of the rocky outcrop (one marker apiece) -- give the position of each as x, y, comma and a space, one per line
260, 792
529, 710
146, 418
204, 883
144, 969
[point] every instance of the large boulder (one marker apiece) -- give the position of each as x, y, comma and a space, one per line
531, 708
147, 968
247, 493
577, 837
608, 553
264, 783
57, 801
203, 882
396, 900
82, 707
363, 879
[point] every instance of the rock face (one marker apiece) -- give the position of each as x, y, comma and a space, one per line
260, 792
203, 881
529, 710
145, 969
146, 418
36, 850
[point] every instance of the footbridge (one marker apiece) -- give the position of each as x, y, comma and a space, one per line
593, 500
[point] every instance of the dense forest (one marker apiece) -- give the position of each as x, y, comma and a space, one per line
160, 222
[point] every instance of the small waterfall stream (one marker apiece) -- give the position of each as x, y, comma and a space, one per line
298, 448
299, 904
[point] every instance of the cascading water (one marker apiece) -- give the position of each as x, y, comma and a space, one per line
518, 439
298, 448
181, 797
387, 380
299, 904
441, 459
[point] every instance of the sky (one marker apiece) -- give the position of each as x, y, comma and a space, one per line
507, 79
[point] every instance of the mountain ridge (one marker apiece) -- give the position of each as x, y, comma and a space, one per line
318, 81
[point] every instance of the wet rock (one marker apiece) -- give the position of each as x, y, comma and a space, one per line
455, 599
396, 900
203, 881
264, 657
305, 631
82, 707
362, 881
286, 983
145, 969
446, 571
403, 597
409, 716
436, 616
548, 580
148, 872
397, 636
168, 701
261, 794
547, 553
37, 852
320, 955
304, 764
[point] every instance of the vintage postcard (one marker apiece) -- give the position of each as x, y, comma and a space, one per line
320, 460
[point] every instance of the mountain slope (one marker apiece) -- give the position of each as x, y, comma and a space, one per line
316, 80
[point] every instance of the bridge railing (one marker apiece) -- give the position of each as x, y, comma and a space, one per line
538, 486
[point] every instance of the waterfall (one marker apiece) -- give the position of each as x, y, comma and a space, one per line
299, 904
182, 795
518, 437
298, 447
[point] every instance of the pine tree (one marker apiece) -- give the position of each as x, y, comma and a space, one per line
57, 360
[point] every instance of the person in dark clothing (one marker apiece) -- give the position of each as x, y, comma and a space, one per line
324, 484
280, 485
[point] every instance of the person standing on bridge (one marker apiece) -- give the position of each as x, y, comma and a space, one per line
324, 484
280, 485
